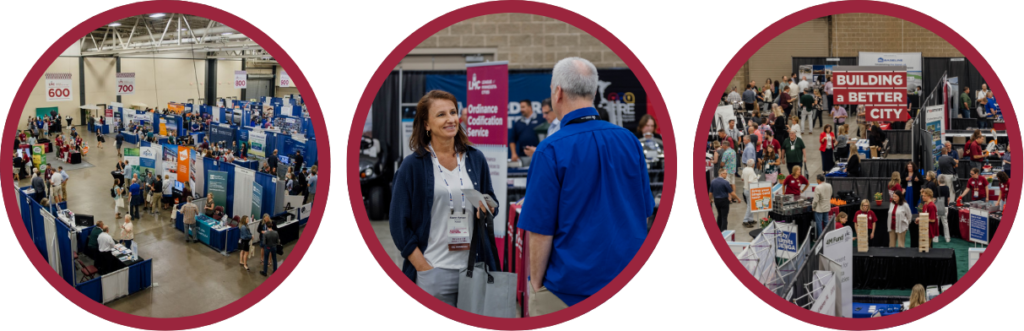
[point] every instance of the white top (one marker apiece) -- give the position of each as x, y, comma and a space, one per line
437, 254
803, 85
981, 95
795, 128
126, 231
106, 243
554, 126
768, 96
828, 141
56, 179
794, 91
903, 217
168, 184
749, 177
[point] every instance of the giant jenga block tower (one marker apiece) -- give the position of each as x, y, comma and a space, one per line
923, 242
862, 233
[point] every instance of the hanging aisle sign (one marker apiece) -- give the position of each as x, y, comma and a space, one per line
58, 87
125, 83
487, 104
240, 79
882, 90
285, 80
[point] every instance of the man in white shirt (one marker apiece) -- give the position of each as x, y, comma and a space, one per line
55, 182
794, 94
804, 85
734, 97
106, 242
554, 123
749, 178
980, 96
733, 131
828, 92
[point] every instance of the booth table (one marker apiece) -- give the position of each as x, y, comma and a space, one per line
224, 240
76, 158
287, 227
252, 164
46, 141
901, 268
962, 228
131, 138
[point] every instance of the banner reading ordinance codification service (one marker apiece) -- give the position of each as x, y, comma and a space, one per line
487, 104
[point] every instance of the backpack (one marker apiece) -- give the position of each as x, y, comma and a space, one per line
113, 194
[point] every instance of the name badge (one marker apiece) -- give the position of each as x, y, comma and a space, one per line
458, 232
792, 147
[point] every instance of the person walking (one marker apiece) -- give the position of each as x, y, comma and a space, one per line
794, 150
723, 194
118, 196
821, 204
749, 179
561, 246
270, 241
807, 104
188, 215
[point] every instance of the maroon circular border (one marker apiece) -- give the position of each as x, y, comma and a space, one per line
704, 203
499, 7
319, 128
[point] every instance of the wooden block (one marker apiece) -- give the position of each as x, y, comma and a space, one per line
924, 242
862, 233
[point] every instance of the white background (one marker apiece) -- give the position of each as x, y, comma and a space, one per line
340, 285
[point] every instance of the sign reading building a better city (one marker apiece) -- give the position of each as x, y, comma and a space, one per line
882, 90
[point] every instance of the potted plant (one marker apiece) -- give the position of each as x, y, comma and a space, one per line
878, 199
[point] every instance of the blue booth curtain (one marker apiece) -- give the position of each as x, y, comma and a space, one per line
269, 192
64, 247
93, 289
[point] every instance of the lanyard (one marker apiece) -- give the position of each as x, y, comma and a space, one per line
458, 167
582, 119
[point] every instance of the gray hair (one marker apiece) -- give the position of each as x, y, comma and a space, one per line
576, 76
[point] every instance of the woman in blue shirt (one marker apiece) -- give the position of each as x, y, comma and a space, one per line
431, 221
244, 238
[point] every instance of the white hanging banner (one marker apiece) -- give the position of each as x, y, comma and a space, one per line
125, 83
285, 80
58, 87
240, 79
839, 248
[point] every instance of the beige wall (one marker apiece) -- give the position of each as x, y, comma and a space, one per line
845, 36
38, 97
100, 81
856, 33
226, 79
526, 41
160, 81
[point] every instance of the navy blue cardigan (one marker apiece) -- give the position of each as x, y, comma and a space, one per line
412, 200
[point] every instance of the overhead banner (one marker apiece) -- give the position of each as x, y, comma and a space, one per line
257, 200
761, 197
912, 62
184, 155
58, 87
882, 90
240, 79
285, 80
125, 83
979, 226
619, 93
257, 143
839, 247
487, 104
217, 184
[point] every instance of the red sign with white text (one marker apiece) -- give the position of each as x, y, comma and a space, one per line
487, 104
869, 96
869, 79
895, 113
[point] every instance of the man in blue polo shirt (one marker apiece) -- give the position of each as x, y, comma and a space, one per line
522, 134
588, 197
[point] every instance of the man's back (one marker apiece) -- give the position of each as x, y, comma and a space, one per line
588, 187
271, 238
38, 184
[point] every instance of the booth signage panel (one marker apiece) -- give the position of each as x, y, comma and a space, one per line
257, 200
184, 154
217, 184
240, 79
125, 83
761, 196
979, 226
786, 243
892, 113
487, 104
839, 247
58, 87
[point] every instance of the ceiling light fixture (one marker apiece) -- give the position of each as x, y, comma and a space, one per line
226, 34
115, 24
157, 15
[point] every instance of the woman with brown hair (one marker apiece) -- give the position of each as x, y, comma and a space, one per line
647, 125
431, 219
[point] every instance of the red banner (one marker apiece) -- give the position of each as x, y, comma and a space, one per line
870, 79
886, 113
869, 96
487, 103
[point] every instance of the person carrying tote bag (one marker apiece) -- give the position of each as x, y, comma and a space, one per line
483, 289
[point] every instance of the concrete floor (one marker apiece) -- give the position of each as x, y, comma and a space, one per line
738, 210
187, 279
383, 231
